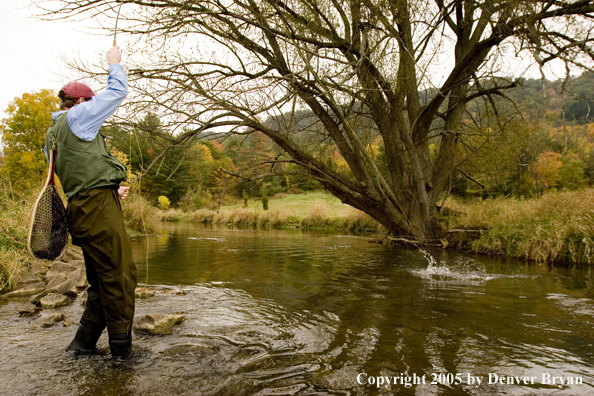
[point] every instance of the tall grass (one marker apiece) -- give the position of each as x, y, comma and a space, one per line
140, 215
559, 227
276, 219
320, 216
356, 221
15, 214
240, 217
206, 216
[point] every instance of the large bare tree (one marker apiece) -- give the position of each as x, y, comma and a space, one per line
408, 67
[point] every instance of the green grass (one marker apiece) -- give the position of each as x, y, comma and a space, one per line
298, 204
314, 210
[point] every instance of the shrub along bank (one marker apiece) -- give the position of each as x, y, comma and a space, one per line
320, 218
314, 210
15, 213
558, 227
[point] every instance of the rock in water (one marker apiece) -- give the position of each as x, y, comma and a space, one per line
30, 290
79, 277
38, 268
157, 324
75, 279
59, 268
28, 309
50, 320
27, 279
72, 254
144, 292
77, 263
56, 279
53, 300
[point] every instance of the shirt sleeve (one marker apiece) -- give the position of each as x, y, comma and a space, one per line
86, 118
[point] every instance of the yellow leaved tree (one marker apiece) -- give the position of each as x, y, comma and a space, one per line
24, 165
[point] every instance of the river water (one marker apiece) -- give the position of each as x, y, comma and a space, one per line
301, 313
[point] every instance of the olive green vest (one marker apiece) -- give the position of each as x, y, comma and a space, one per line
80, 164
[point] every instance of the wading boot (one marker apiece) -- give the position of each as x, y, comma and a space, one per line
85, 340
120, 345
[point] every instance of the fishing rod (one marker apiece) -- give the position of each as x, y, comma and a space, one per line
115, 29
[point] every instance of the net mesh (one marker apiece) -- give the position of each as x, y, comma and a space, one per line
48, 236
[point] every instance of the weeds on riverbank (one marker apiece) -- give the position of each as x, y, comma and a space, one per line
318, 217
140, 215
559, 227
15, 213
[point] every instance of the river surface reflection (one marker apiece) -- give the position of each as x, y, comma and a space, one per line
301, 313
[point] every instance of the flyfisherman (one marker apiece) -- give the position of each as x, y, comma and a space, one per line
91, 177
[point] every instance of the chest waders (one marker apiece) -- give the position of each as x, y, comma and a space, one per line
90, 176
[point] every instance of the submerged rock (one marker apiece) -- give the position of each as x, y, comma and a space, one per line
157, 324
28, 309
53, 300
50, 320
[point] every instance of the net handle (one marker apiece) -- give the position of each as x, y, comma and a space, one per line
52, 165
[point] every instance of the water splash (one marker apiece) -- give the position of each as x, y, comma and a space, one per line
462, 270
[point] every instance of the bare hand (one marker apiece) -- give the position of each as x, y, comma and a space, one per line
114, 55
123, 191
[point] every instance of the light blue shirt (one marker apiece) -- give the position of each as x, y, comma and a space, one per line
86, 118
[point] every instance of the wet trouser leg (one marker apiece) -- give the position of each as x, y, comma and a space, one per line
96, 224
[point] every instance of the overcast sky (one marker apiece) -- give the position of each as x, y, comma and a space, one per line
31, 49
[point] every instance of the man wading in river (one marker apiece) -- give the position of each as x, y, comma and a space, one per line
90, 177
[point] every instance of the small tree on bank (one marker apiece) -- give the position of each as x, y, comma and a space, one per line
352, 64
22, 134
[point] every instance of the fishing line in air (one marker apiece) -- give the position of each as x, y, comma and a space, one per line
115, 32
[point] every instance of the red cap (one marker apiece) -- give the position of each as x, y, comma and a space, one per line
77, 90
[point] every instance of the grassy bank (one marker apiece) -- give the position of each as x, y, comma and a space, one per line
559, 227
139, 215
314, 210
15, 213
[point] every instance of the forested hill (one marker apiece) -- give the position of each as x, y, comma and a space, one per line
577, 94
564, 102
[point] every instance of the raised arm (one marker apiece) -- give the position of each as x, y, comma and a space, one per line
86, 118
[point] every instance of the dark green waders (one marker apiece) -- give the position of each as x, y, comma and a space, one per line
96, 224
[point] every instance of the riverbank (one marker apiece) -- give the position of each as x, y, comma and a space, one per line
14, 222
558, 227
314, 210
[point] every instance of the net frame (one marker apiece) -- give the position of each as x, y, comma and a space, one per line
52, 234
